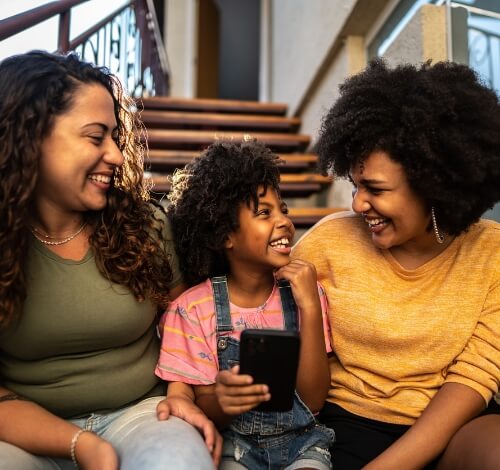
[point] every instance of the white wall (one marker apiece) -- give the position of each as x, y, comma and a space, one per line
349, 60
181, 21
424, 37
302, 34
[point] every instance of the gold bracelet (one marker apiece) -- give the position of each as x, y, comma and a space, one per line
72, 449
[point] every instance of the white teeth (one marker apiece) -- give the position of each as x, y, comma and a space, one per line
100, 178
373, 222
281, 243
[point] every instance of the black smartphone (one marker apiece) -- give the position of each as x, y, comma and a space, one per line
271, 357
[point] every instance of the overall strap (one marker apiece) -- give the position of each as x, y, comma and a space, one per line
288, 305
221, 302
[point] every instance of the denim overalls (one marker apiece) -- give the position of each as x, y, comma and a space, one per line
269, 440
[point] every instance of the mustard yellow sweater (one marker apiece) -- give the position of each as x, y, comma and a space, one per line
399, 334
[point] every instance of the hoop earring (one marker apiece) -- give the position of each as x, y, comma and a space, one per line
439, 235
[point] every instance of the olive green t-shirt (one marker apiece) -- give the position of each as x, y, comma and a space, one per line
82, 344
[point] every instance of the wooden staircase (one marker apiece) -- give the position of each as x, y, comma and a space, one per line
178, 129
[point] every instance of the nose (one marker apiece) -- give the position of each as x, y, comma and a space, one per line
360, 201
285, 222
113, 155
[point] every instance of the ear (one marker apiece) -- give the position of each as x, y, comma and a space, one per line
228, 244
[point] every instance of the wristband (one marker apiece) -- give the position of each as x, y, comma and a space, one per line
72, 449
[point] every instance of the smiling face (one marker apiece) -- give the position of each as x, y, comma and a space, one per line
264, 237
79, 156
395, 215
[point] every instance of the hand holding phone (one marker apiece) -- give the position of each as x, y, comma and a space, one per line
271, 357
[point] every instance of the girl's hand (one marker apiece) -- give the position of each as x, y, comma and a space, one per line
184, 408
94, 453
237, 394
303, 281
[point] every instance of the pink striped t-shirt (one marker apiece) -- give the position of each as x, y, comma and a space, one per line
188, 350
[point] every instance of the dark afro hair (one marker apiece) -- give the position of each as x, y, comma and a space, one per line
205, 200
438, 121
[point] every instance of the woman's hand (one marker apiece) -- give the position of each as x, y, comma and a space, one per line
180, 404
94, 453
237, 394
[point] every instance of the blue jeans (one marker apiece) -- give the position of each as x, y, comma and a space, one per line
141, 441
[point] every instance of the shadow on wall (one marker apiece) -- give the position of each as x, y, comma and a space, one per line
494, 213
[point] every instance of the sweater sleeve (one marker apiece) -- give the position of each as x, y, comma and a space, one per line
478, 365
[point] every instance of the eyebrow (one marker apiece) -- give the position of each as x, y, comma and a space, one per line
372, 181
267, 204
103, 126
367, 181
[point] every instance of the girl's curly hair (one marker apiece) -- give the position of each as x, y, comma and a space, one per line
438, 121
35, 88
205, 200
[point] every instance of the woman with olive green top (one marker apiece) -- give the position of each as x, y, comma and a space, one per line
87, 261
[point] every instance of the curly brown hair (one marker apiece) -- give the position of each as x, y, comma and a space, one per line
206, 197
127, 235
440, 122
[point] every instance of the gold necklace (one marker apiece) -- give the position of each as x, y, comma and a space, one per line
38, 235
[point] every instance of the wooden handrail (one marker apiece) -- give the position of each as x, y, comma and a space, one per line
17, 23
152, 75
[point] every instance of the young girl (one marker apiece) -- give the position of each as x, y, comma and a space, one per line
230, 222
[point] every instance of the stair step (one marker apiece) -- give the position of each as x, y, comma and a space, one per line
304, 217
179, 128
213, 105
301, 185
168, 160
183, 139
188, 120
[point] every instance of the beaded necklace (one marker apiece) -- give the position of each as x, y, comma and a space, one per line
44, 237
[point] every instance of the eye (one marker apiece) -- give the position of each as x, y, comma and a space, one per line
374, 191
284, 210
264, 212
97, 139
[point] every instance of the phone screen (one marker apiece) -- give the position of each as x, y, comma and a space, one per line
271, 357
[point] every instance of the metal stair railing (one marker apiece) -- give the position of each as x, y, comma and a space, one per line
127, 41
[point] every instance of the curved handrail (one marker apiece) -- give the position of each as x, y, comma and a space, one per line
17, 23
151, 59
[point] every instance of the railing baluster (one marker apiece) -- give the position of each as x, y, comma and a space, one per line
63, 36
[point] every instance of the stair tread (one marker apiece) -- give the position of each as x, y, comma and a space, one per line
154, 118
305, 217
205, 104
174, 153
180, 137
289, 187
287, 178
313, 211
158, 158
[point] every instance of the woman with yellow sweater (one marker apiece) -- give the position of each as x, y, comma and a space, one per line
412, 275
